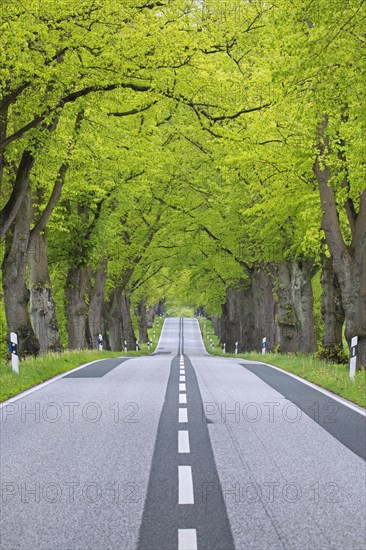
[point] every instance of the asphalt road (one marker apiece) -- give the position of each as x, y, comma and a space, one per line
181, 450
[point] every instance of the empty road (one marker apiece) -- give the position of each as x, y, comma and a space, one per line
181, 450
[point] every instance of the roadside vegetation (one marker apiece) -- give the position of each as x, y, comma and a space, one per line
325, 374
34, 370
218, 161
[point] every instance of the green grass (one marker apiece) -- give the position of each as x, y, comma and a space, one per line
34, 370
327, 375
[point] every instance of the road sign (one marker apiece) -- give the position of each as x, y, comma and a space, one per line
13, 348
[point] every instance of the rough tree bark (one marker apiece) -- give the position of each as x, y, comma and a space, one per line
295, 306
332, 311
349, 261
265, 310
119, 321
114, 320
19, 192
237, 320
96, 300
249, 314
150, 315
142, 321
3, 130
217, 326
128, 332
76, 292
42, 305
16, 294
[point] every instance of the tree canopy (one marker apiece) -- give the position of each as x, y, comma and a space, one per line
183, 145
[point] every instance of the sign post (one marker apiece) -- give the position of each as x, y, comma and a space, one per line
264, 346
353, 359
13, 348
100, 342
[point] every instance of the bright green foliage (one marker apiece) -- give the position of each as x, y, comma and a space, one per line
194, 159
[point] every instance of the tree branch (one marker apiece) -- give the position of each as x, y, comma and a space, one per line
330, 221
57, 188
70, 98
10, 210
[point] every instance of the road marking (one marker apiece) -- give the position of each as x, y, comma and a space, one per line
47, 382
183, 398
183, 441
183, 415
185, 485
182, 378
344, 402
182, 387
187, 539
182, 372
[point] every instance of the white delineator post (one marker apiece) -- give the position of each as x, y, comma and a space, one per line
13, 348
264, 345
353, 359
236, 347
224, 348
125, 342
100, 342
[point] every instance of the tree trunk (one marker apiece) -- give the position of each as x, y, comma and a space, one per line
142, 321
95, 313
332, 312
76, 292
119, 321
150, 315
18, 197
160, 307
295, 306
216, 324
249, 314
349, 262
128, 332
237, 320
265, 311
3, 130
42, 305
16, 294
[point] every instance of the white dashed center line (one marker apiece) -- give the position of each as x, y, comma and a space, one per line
182, 387
182, 378
183, 441
185, 485
183, 398
183, 415
187, 539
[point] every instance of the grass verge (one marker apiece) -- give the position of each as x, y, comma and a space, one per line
34, 370
327, 375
